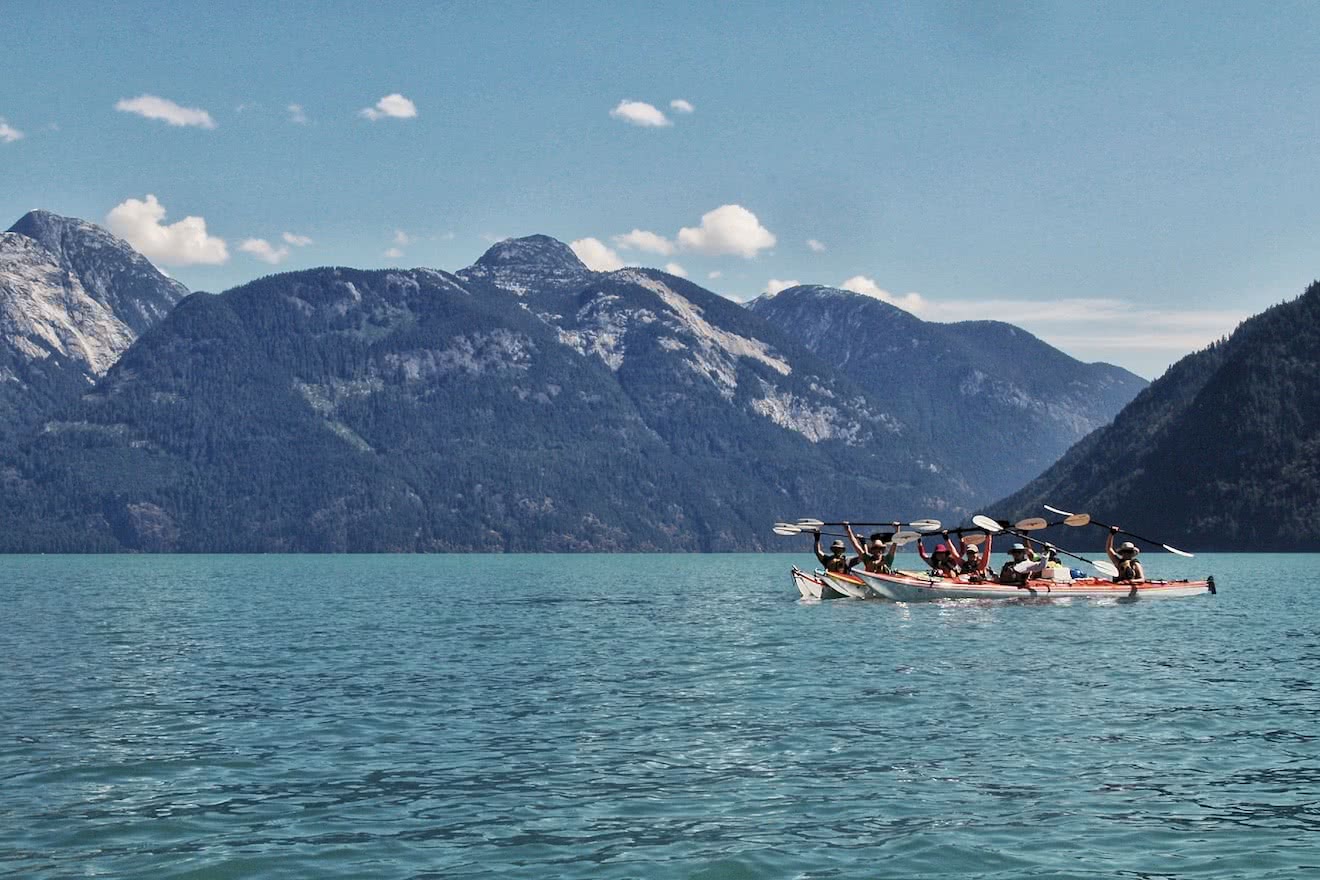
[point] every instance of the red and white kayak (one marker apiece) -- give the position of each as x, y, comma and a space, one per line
913, 586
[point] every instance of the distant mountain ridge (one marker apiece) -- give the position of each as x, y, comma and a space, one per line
522, 403
337, 409
1221, 452
989, 395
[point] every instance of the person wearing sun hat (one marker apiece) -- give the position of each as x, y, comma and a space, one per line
878, 554
837, 561
940, 560
1124, 559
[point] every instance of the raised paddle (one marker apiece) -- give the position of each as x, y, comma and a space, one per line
921, 525
1103, 566
787, 529
1097, 522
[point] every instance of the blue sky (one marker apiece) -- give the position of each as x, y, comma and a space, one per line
1127, 180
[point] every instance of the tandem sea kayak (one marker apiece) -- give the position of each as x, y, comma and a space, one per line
912, 586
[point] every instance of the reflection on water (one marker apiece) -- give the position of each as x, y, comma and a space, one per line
644, 717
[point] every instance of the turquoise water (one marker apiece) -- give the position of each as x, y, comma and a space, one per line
645, 716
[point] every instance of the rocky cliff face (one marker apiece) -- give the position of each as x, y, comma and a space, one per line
72, 300
988, 395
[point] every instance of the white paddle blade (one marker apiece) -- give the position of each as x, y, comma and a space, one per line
926, 525
985, 522
974, 539
1032, 524
1077, 519
810, 523
905, 538
1056, 510
1025, 566
785, 529
1105, 568
1176, 551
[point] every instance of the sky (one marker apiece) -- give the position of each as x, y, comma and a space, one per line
1127, 180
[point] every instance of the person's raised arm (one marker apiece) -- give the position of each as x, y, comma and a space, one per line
1109, 545
985, 554
820, 554
857, 544
921, 551
954, 553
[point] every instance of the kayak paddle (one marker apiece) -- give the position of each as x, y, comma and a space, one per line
1103, 566
1174, 550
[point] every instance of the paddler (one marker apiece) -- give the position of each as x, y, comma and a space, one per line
940, 560
1018, 554
974, 562
837, 561
877, 555
1124, 559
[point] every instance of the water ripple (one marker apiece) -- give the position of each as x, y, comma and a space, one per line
657, 717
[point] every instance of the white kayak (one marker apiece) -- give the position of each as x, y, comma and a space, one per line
913, 586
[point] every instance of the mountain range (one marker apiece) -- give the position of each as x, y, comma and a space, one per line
522, 403
988, 395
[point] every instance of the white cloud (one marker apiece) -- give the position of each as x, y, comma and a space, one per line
393, 106
645, 241
596, 255
9, 134
296, 240
729, 229
264, 250
716, 274
640, 113
908, 302
296, 114
152, 107
179, 244
774, 285
678, 105
816, 246
394, 253
402, 239
675, 269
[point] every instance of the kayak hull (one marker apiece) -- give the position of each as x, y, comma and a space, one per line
847, 584
907, 586
814, 586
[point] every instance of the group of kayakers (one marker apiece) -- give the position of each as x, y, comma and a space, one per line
970, 561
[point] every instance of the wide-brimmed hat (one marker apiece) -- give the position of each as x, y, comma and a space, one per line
1127, 548
972, 549
942, 548
837, 545
1017, 548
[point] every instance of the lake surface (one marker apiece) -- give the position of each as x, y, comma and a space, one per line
648, 717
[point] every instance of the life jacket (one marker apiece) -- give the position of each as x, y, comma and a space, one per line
1010, 575
837, 564
1127, 569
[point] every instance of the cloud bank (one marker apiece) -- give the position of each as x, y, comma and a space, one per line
153, 107
393, 106
596, 255
729, 229
640, 113
184, 243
